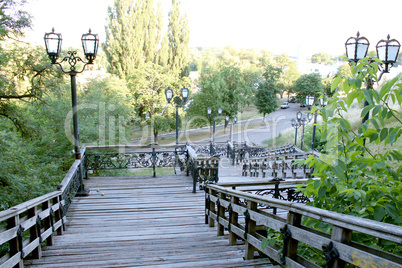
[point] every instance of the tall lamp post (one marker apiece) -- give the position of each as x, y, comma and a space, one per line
296, 124
234, 121
302, 121
323, 103
179, 102
387, 52
90, 43
209, 112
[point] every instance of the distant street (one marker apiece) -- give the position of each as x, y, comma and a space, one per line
274, 124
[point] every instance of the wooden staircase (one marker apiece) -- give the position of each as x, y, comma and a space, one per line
141, 222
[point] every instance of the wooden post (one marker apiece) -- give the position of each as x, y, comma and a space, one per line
14, 243
58, 214
34, 234
252, 226
340, 235
233, 220
211, 222
47, 223
294, 220
220, 214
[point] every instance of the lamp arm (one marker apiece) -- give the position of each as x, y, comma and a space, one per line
72, 60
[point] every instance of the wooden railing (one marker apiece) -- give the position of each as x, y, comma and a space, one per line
245, 217
24, 227
202, 169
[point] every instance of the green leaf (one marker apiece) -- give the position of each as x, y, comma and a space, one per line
264, 243
335, 83
376, 110
383, 134
322, 191
379, 213
392, 210
393, 135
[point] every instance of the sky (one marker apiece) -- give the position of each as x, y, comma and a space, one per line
292, 27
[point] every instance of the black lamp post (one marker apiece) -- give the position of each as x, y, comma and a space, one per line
90, 43
296, 124
387, 52
323, 103
234, 121
303, 121
179, 102
209, 112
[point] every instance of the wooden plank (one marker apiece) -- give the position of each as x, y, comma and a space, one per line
143, 223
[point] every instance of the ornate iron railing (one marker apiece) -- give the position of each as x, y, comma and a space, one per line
135, 157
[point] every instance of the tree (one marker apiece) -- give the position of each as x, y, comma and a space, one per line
308, 84
148, 86
179, 38
266, 98
289, 74
13, 19
133, 36
228, 87
321, 58
359, 169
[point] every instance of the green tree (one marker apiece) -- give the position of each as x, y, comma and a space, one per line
289, 74
359, 170
266, 98
148, 88
13, 19
133, 36
179, 38
308, 84
321, 58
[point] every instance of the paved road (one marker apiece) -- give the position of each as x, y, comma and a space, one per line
274, 124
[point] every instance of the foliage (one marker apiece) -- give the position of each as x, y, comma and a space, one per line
266, 98
179, 38
133, 36
354, 179
148, 88
13, 19
289, 74
321, 57
308, 84
228, 87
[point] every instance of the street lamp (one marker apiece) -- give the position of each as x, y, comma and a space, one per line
209, 112
323, 102
387, 52
303, 121
296, 124
356, 47
309, 101
179, 102
231, 125
90, 43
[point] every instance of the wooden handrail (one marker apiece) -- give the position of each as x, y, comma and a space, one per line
220, 199
40, 218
